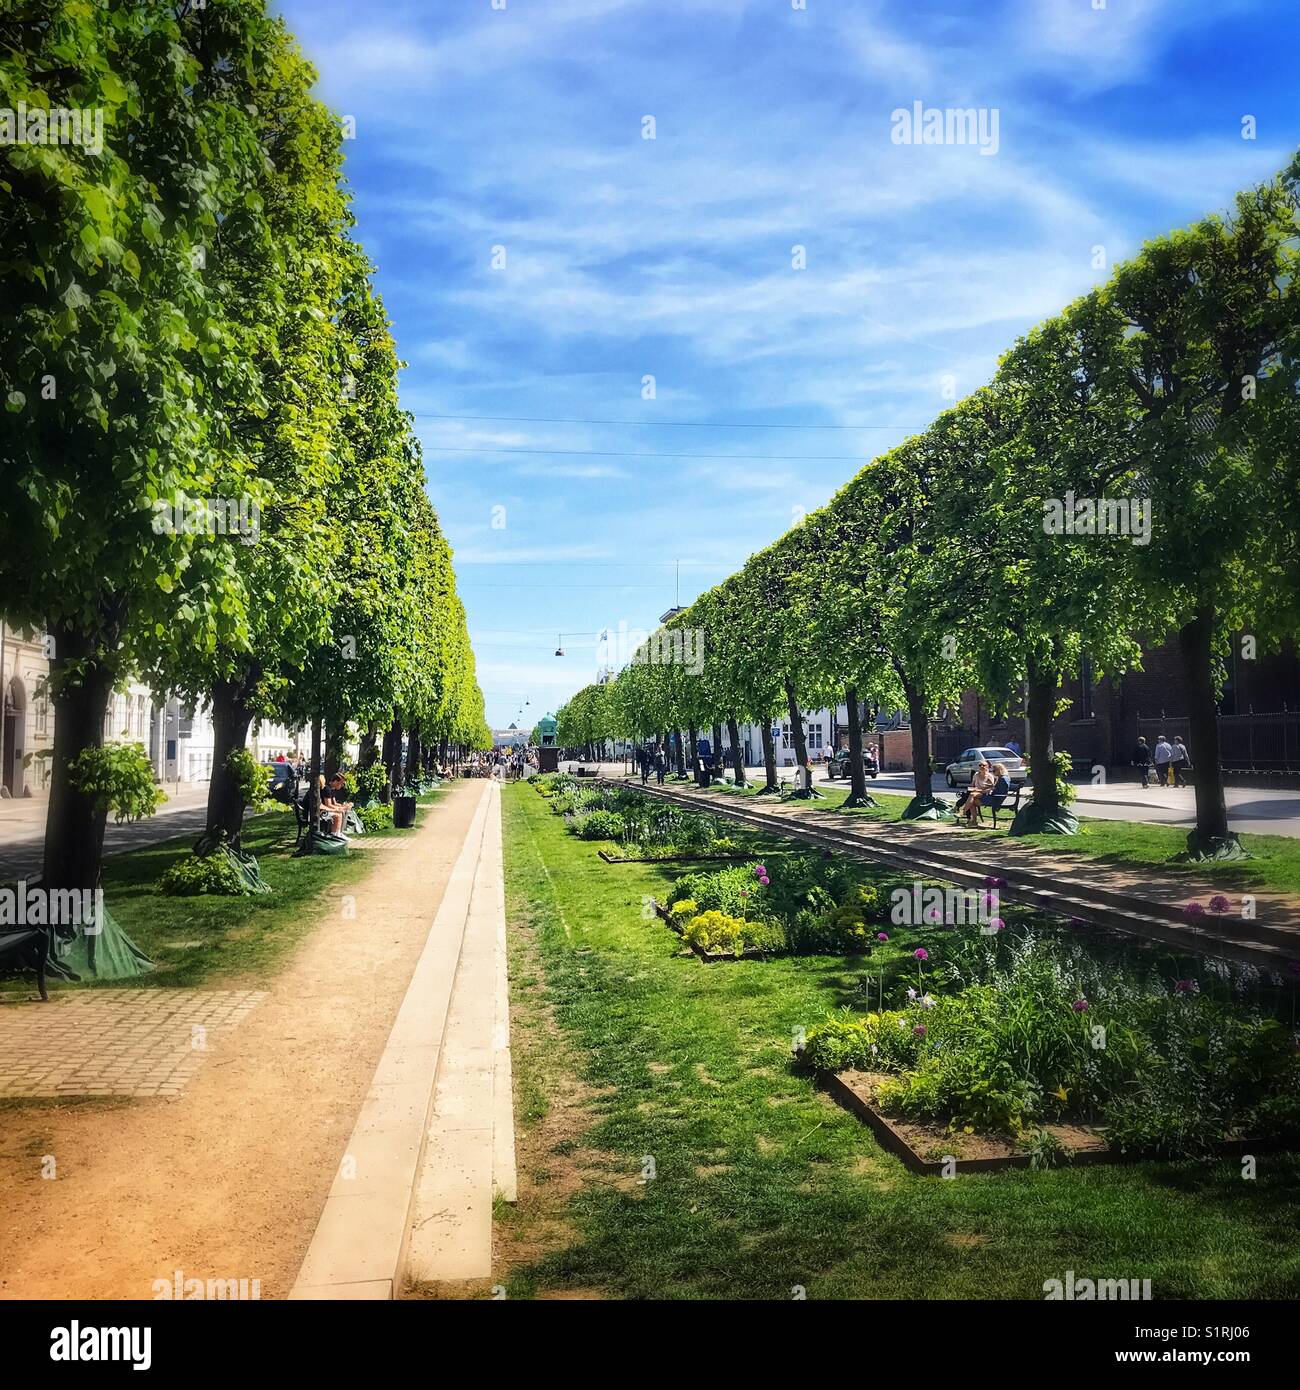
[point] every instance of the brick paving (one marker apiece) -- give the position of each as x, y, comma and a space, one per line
115, 1042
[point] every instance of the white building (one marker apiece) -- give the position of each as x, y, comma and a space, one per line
819, 727
178, 740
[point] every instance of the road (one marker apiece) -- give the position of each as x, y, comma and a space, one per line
1254, 810
22, 829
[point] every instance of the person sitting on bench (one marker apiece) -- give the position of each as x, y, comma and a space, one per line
332, 803
996, 794
981, 782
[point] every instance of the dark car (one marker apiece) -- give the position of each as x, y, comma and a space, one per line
839, 764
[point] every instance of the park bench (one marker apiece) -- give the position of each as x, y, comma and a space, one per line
24, 949
1010, 801
299, 804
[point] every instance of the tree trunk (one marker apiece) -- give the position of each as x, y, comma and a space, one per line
923, 805
231, 718
1040, 708
1211, 838
369, 749
857, 776
74, 829
694, 735
800, 746
393, 759
771, 783
737, 757
413, 753
680, 752
333, 750
313, 789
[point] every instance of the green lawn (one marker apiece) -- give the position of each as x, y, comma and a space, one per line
206, 939
761, 1185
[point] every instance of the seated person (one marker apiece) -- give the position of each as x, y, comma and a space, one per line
981, 782
333, 803
1000, 789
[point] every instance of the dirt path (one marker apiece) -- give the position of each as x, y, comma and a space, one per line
228, 1180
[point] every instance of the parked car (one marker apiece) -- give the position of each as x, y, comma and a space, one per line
959, 774
839, 764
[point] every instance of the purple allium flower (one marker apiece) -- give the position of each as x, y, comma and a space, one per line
1218, 903
921, 953
996, 924
765, 880
932, 914
759, 870
1081, 1006
992, 881
919, 1030
1194, 909
884, 936
1186, 987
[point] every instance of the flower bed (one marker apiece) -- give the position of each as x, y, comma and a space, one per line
999, 1037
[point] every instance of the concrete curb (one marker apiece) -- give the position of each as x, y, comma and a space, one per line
360, 1245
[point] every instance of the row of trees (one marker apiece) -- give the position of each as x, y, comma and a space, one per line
1169, 399
188, 324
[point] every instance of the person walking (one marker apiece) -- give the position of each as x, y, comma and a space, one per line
661, 765
1142, 760
1162, 757
1180, 763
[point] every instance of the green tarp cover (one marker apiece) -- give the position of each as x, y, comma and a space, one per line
108, 954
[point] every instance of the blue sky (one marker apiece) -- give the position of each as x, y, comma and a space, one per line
522, 128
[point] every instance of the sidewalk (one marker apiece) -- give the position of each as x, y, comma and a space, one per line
225, 1174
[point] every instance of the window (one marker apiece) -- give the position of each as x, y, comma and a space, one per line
1085, 688
42, 713
814, 735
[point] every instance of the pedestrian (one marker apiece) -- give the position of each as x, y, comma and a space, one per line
661, 765
1181, 762
1142, 760
1014, 746
1162, 757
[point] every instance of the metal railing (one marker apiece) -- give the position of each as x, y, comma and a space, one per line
1248, 742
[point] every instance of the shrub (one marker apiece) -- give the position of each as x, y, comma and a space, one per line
118, 777
254, 785
376, 816
193, 874
598, 825
836, 931
683, 910
370, 784
735, 892
716, 932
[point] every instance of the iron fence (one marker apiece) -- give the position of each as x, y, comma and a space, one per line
1247, 742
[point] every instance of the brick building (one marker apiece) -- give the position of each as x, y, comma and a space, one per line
1259, 715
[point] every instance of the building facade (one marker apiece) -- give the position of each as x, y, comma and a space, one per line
178, 740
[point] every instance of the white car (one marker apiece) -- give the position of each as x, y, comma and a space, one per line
959, 774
